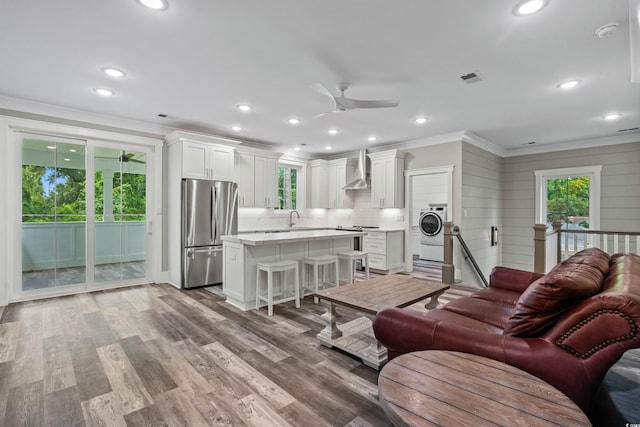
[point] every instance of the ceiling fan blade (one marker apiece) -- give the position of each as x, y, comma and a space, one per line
142, 162
322, 90
356, 103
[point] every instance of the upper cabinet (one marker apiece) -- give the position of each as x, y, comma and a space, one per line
319, 171
340, 173
202, 156
256, 172
387, 181
327, 179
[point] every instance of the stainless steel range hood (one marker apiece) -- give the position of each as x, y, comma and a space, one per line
360, 183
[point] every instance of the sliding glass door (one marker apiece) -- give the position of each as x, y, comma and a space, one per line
84, 214
120, 214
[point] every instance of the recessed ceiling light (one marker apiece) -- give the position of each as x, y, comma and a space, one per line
612, 116
154, 4
104, 92
296, 148
328, 147
569, 84
67, 160
528, 7
371, 138
421, 120
294, 121
333, 131
51, 147
72, 150
113, 72
236, 128
244, 107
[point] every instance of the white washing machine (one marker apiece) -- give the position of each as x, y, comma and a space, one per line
431, 226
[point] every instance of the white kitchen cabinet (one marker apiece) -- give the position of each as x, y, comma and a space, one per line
201, 156
319, 171
340, 173
256, 172
207, 161
244, 176
266, 182
387, 181
327, 179
386, 250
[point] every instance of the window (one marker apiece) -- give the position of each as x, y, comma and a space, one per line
288, 187
570, 196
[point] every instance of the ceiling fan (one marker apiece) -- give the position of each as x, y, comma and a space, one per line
129, 157
125, 158
342, 103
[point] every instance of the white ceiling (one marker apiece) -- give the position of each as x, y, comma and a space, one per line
199, 59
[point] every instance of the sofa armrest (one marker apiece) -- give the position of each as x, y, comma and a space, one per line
512, 279
607, 323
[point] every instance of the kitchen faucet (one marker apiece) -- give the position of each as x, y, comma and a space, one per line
291, 223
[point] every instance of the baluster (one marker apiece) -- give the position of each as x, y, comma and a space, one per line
605, 242
626, 243
615, 244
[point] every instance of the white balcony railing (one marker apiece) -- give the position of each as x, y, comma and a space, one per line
47, 245
554, 246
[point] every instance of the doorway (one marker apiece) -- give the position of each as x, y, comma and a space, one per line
429, 193
84, 209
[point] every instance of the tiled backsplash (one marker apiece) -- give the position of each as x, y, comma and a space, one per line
361, 214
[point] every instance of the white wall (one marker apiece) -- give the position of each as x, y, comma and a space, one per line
481, 209
620, 194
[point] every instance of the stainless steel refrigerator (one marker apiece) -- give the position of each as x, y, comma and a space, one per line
209, 211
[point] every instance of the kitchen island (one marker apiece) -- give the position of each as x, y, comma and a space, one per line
243, 252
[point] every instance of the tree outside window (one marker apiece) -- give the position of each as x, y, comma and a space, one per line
568, 201
287, 187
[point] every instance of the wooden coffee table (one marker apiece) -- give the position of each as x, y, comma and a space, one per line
369, 297
448, 388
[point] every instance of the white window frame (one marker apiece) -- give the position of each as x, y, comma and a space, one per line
593, 172
301, 183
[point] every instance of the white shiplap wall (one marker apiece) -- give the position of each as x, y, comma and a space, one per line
620, 194
481, 209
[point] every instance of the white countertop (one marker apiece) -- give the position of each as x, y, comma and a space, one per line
256, 239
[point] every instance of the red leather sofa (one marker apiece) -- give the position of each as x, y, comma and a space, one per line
567, 327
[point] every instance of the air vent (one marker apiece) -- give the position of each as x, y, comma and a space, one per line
164, 116
471, 78
630, 130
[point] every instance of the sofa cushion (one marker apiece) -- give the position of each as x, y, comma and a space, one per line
493, 313
540, 305
502, 296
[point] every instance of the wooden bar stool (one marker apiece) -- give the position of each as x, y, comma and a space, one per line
351, 258
316, 262
278, 267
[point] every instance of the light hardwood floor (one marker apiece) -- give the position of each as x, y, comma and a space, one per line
154, 355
